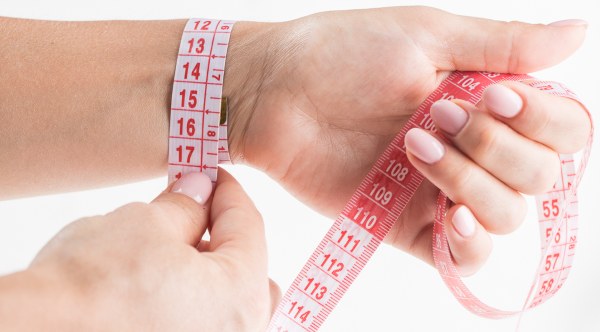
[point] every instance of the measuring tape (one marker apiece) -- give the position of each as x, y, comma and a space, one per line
384, 193
198, 142
198, 126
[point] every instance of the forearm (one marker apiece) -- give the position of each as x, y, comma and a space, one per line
86, 104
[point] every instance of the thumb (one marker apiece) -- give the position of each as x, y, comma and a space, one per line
183, 207
237, 227
469, 43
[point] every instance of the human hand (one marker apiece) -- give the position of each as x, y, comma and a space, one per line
324, 95
138, 268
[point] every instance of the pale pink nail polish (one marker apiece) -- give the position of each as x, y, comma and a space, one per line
448, 116
502, 100
195, 185
464, 222
570, 22
424, 146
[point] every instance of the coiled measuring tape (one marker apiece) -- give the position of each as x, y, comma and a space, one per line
385, 192
381, 197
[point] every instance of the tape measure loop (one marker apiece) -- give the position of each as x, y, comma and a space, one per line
381, 198
198, 126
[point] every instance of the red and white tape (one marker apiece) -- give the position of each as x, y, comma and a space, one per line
197, 136
383, 195
198, 142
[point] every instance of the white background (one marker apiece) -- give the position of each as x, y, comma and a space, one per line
395, 292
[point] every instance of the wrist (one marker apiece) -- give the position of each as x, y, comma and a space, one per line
246, 69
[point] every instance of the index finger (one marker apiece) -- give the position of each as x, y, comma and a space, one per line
557, 122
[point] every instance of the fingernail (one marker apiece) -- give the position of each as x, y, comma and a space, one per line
424, 146
464, 222
570, 22
195, 185
502, 100
448, 116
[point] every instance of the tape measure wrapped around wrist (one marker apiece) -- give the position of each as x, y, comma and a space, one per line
198, 142
198, 126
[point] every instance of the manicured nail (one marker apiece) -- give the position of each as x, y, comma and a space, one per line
195, 185
571, 22
424, 146
448, 116
464, 222
502, 100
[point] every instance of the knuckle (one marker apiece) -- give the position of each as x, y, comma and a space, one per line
76, 229
78, 224
244, 212
512, 60
181, 209
131, 212
426, 10
256, 215
158, 211
543, 124
579, 141
578, 136
541, 121
460, 178
132, 207
488, 144
511, 217
517, 60
543, 177
468, 266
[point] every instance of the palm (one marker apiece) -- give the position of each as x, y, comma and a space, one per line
337, 109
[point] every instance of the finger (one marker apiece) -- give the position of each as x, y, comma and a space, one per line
237, 227
499, 208
558, 122
275, 292
469, 43
182, 209
519, 162
470, 244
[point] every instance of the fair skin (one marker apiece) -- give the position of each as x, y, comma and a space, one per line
327, 91
138, 268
